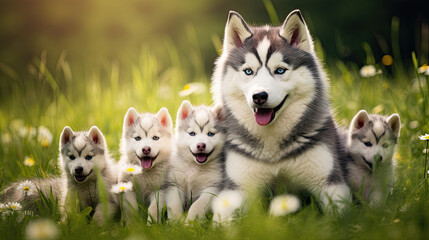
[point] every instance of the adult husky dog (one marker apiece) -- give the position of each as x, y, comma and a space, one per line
277, 111
371, 143
195, 173
146, 141
82, 154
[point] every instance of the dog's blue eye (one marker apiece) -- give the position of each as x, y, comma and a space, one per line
72, 157
156, 138
280, 70
248, 71
192, 133
210, 134
368, 144
88, 157
138, 138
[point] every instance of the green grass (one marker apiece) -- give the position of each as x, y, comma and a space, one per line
56, 94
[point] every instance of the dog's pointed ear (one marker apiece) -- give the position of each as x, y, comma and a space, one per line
96, 136
185, 110
66, 135
130, 117
295, 31
236, 31
360, 120
164, 118
218, 111
394, 122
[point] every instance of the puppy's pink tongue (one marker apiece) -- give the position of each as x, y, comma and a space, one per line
146, 163
263, 115
201, 158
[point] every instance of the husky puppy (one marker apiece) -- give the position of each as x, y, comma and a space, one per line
278, 121
371, 143
146, 141
195, 173
26, 192
82, 154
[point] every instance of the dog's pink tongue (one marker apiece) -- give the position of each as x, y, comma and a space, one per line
146, 163
263, 115
201, 158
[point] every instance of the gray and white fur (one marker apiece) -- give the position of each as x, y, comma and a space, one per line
371, 143
278, 121
82, 155
195, 174
147, 142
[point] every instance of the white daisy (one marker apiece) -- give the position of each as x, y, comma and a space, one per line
131, 169
193, 88
3, 207
225, 205
368, 71
27, 132
284, 204
424, 137
122, 187
41, 229
27, 188
424, 69
14, 206
44, 136
29, 161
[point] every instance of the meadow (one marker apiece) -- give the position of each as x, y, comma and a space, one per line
55, 92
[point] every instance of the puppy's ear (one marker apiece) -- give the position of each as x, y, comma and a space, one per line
164, 118
218, 111
184, 111
96, 136
296, 33
130, 117
394, 122
66, 136
359, 121
236, 31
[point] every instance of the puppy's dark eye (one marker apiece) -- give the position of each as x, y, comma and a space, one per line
138, 138
385, 145
280, 70
368, 144
248, 71
192, 134
88, 157
156, 138
211, 134
72, 157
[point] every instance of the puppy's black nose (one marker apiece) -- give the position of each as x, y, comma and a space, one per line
260, 98
201, 146
78, 170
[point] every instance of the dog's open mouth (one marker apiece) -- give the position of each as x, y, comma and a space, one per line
201, 157
81, 178
367, 163
147, 161
264, 116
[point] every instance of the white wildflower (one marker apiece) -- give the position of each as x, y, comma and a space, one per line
27, 188
27, 132
368, 71
122, 187
414, 124
225, 205
424, 137
41, 229
44, 136
14, 206
284, 204
424, 69
29, 161
193, 88
131, 169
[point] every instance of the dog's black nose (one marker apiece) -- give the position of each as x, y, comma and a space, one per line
78, 170
146, 150
201, 146
260, 98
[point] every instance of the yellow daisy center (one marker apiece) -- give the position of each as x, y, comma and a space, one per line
425, 67
122, 188
387, 60
283, 206
225, 203
186, 87
427, 137
130, 169
12, 207
45, 143
26, 189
